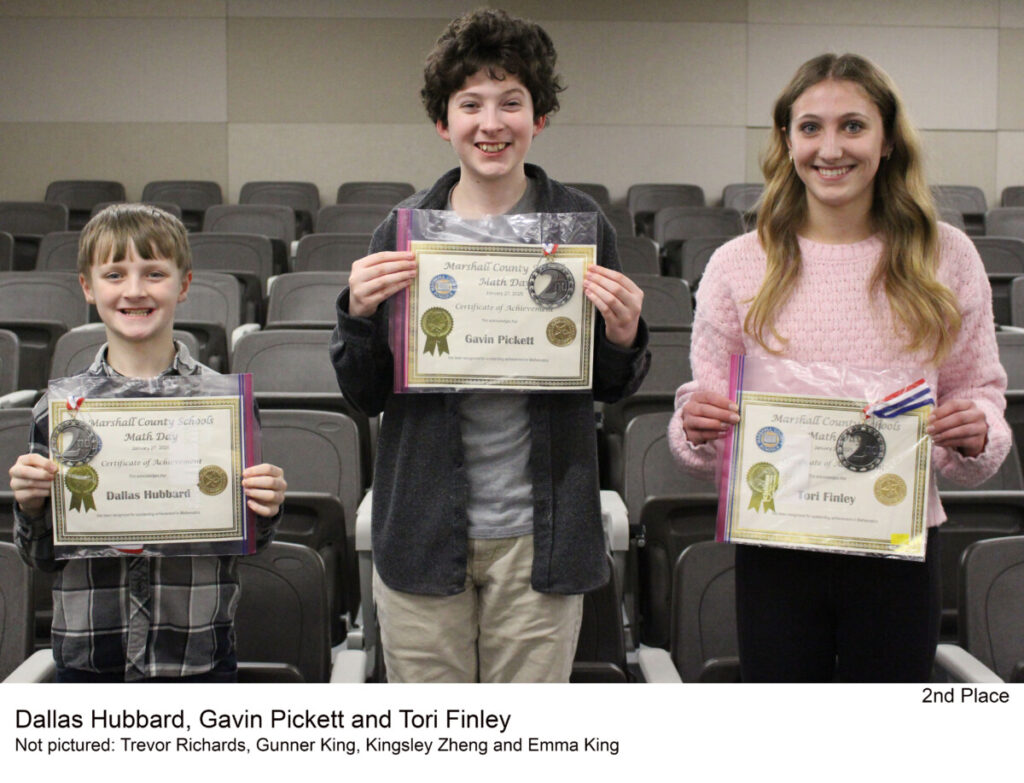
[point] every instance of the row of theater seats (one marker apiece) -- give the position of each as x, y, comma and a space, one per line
666, 509
221, 306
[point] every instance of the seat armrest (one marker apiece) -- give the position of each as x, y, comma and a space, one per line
38, 667
349, 666
363, 517
656, 665
615, 520
960, 666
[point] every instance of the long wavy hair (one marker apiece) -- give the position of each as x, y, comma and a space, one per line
902, 211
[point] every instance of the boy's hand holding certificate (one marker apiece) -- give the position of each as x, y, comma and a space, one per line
152, 466
844, 470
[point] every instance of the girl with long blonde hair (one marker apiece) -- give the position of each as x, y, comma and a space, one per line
849, 266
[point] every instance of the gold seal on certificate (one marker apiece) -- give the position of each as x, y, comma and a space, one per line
212, 480
82, 481
561, 332
890, 489
479, 316
437, 324
763, 479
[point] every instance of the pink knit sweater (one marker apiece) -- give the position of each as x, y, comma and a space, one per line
832, 317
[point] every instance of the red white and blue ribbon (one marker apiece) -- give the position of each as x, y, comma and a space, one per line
916, 395
74, 403
550, 248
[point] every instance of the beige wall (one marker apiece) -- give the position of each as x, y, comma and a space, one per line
327, 90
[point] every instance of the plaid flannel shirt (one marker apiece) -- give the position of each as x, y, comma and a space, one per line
143, 616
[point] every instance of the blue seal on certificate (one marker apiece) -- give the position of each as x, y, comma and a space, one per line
443, 286
769, 439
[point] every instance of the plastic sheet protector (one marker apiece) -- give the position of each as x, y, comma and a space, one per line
827, 458
152, 467
497, 304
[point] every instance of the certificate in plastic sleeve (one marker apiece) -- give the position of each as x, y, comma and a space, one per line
813, 472
160, 471
496, 317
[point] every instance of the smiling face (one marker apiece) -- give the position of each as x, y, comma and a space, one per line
837, 140
136, 298
490, 125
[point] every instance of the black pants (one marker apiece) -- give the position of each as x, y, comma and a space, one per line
815, 617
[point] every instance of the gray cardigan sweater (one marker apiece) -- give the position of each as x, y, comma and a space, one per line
420, 486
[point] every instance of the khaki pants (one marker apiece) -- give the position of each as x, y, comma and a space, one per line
498, 630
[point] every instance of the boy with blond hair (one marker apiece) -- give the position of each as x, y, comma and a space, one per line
136, 618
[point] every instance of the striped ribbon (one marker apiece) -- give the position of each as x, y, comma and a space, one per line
916, 395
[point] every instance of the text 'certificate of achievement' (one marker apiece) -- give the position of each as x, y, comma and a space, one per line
152, 466
496, 317
824, 472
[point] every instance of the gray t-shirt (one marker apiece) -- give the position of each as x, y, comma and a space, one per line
495, 430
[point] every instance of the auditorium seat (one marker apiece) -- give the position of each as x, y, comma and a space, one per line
1005, 222
270, 220
696, 253
704, 642
744, 197
638, 255
645, 199
621, 220
675, 225
1003, 258
305, 300
292, 369
248, 257
28, 222
992, 614
192, 196
211, 313
669, 510
6, 252
16, 612
330, 252
9, 350
302, 197
81, 195
386, 193
39, 307
1012, 196
597, 192
351, 218
319, 452
968, 200
953, 217
667, 305
58, 252
670, 367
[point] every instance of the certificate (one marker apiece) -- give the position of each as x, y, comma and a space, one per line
151, 466
495, 316
813, 472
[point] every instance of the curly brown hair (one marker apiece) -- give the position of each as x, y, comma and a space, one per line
490, 38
